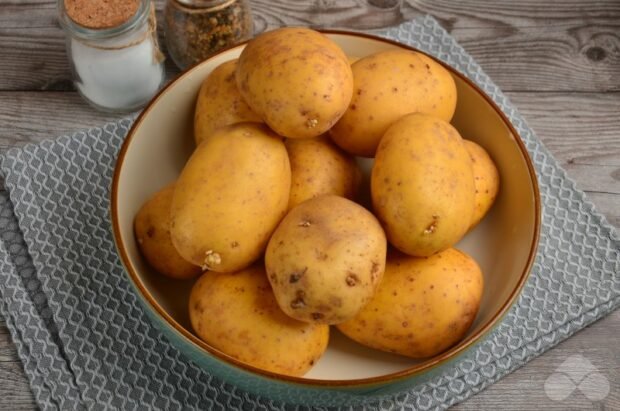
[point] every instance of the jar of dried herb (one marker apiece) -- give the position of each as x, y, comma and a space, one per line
195, 29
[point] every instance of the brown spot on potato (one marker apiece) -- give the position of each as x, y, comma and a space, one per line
353, 107
317, 316
375, 267
335, 301
405, 324
298, 302
150, 232
234, 244
352, 279
320, 255
294, 277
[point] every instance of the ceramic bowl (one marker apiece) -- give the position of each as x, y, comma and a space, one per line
504, 244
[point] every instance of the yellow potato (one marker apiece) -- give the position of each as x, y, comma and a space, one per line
230, 197
387, 86
422, 185
423, 306
486, 180
152, 230
325, 260
296, 79
238, 314
220, 103
318, 167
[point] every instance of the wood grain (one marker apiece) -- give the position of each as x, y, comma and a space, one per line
531, 45
580, 129
15, 393
558, 61
524, 388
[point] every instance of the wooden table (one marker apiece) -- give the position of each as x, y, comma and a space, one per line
558, 61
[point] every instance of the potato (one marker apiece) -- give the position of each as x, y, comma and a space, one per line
238, 314
387, 86
230, 196
299, 81
423, 306
325, 260
318, 167
220, 103
152, 230
486, 180
422, 185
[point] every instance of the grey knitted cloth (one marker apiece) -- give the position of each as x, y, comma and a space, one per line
85, 342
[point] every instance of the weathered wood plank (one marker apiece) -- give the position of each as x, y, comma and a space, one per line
8, 353
524, 388
523, 47
15, 393
580, 129
569, 49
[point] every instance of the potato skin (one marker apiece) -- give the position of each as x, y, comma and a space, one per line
486, 180
299, 81
387, 86
220, 103
423, 306
238, 314
152, 231
319, 167
422, 185
325, 260
230, 196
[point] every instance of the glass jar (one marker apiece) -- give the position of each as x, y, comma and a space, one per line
114, 55
195, 29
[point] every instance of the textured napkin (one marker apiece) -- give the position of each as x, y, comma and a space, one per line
85, 342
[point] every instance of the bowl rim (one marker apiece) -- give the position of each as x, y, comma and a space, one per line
426, 365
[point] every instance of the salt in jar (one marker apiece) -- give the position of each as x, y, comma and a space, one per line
113, 51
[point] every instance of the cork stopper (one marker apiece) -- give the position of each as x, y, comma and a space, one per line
101, 14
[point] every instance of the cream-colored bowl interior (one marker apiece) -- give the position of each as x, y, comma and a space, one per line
502, 243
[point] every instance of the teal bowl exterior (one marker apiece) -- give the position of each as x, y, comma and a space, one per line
291, 392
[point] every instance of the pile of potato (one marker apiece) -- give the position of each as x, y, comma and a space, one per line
265, 208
